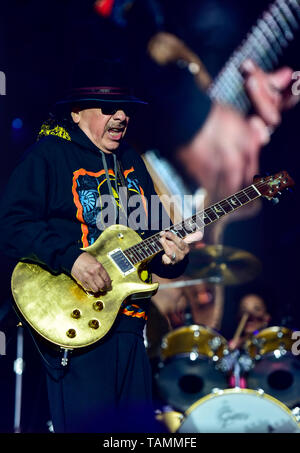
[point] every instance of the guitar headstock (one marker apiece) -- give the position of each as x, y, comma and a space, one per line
271, 186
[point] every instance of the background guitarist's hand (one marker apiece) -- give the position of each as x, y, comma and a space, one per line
176, 248
270, 93
90, 274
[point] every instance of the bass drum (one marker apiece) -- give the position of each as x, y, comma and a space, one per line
276, 370
239, 411
189, 365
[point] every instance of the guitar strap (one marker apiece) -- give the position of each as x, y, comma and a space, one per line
120, 170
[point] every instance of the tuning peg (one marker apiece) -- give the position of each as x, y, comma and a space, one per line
275, 201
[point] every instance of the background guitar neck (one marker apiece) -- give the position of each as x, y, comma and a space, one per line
264, 44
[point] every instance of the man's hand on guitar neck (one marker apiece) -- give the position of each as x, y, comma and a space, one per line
176, 248
90, 274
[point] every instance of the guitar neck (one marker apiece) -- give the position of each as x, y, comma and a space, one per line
264, 44
152, 245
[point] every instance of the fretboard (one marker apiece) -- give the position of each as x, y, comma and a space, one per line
152, 245
264, 44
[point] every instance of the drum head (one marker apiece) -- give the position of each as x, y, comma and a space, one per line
182, 381
238, 411
278, 376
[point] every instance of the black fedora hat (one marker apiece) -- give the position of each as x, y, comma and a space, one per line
99, 83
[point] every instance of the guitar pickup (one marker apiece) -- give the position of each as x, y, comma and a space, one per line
121, 261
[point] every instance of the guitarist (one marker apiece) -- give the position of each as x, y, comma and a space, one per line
53, 206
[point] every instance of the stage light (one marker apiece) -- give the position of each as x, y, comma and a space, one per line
17, 123
104, 7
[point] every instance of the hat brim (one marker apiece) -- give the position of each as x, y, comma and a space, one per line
69, 102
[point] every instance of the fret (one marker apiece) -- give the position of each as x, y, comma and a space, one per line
282, 22
179, 233
228, 91
189, 225
132, 254
251, 192
237, 93
276, 29
242, 197
147, 249
295, 4
199, 217
270, 35
156, 245
212, 215
262, 57
129, 254
226, 206
261, 37
288, 13
218, 210
175, 230
256, 190
206, 219
139, 251
234, 202
151, 248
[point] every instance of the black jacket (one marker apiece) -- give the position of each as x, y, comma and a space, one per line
51, 205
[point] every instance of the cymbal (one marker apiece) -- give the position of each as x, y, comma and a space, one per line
233, 266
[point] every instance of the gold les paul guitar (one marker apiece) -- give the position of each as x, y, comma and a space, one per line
63, 313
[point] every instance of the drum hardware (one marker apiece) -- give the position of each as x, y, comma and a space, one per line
296, 413
194, 354
169, 418
236, 359
275, 368
191, 282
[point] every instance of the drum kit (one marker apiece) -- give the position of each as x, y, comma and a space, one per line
208, 387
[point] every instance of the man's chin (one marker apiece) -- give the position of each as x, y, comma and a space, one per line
112, 145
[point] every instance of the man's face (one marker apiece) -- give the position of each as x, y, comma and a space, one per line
105, 131
258, 316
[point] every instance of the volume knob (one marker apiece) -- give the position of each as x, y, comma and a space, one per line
94, 323
98, 305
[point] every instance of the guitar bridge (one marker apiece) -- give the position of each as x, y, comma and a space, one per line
121, 262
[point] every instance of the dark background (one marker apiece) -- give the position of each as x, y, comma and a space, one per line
39, 43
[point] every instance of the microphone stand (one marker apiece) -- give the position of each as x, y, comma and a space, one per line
18, 369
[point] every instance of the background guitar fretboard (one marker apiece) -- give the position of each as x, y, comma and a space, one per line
264, 44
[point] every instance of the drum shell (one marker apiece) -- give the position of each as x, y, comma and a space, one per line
199, 339
188, 370
269, 340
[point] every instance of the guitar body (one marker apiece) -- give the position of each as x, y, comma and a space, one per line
61, 311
